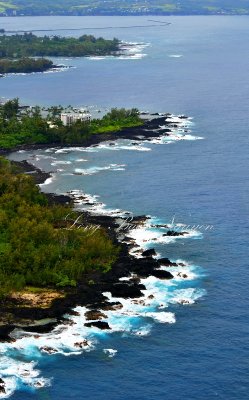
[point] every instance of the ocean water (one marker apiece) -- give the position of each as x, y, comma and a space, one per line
196, 66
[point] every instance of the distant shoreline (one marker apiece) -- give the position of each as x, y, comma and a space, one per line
155, 14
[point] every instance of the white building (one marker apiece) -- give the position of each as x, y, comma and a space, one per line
70, 118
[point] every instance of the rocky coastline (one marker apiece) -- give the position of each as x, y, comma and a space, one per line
14, 313
52, 68
155, 126
89, 291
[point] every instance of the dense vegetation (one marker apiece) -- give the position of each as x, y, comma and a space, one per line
25, 65
38, 247
29, 45
122, 7
16, 50
29, 126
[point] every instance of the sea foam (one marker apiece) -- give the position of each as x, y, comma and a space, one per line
20, 359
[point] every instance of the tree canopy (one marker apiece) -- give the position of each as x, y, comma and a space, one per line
25, 65
30, 45
38, 244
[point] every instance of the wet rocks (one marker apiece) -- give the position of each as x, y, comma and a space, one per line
183, 301
2, 386
38, 175
98, 324
139, 219
161, 274
127, 291
58, 199
82, 344
40, 328
182, 275
143, 267
73, 312
94, 315
175, 233
134, 279
112, 306
166, 262
37, 384
149, 252
48, 350
140, 302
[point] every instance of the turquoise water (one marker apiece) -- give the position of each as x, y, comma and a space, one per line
204, 353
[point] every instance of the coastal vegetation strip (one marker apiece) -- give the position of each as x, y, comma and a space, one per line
123, 7
40, 244
30, 45
30, 126
16, 51
25, 65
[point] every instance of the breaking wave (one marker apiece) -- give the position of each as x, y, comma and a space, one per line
96, 170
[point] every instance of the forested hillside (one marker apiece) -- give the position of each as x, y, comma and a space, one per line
39, 245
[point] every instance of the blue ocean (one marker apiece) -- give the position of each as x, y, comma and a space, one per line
192, 341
